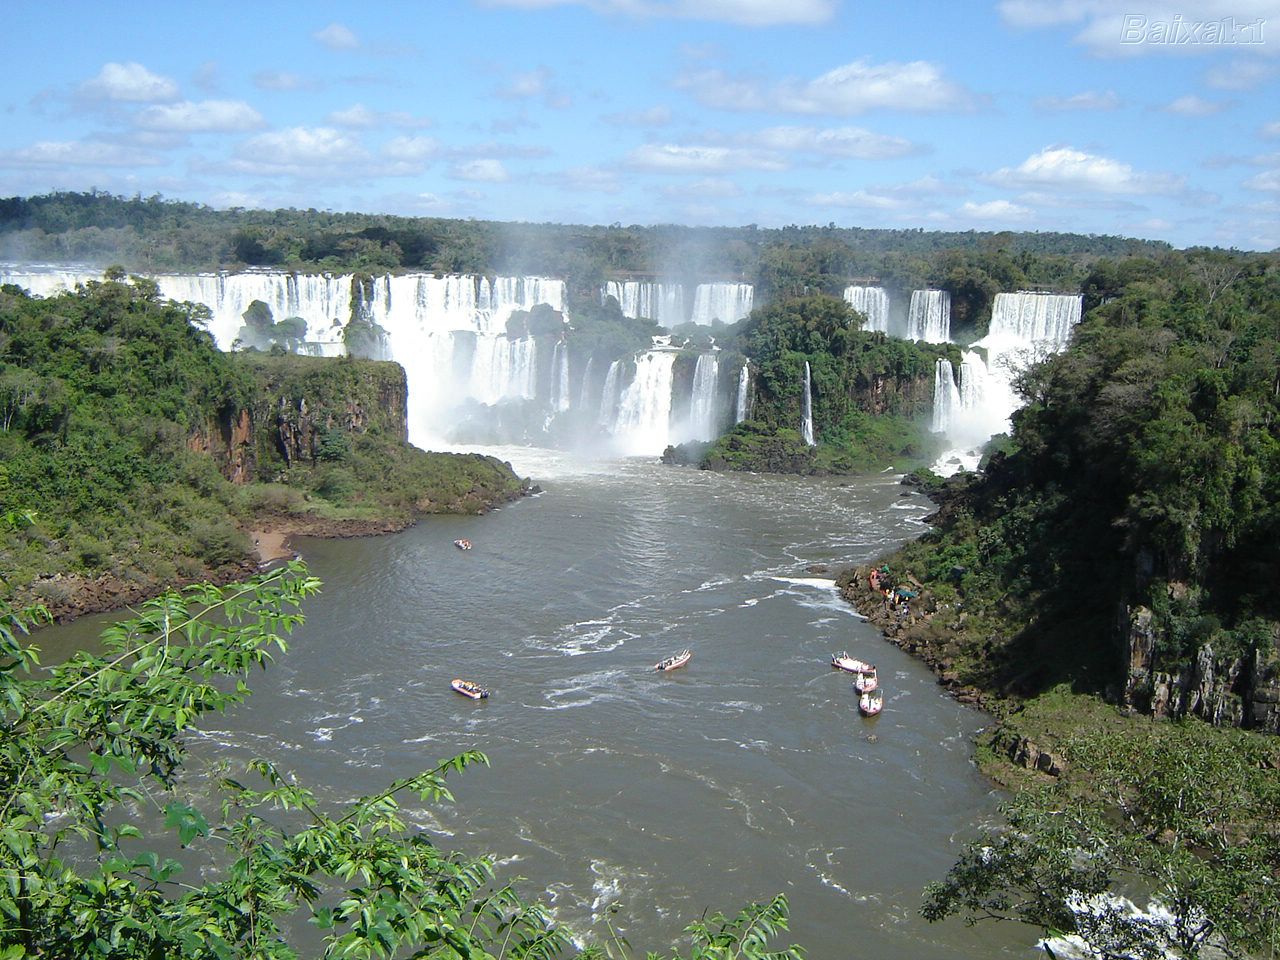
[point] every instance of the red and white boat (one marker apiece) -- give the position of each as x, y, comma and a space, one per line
469, 689
674, 662
842, 661
871, 703
463, 544
867, 681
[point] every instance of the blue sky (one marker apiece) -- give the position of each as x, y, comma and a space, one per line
1143, 118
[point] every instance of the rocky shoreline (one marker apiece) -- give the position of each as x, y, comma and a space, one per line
918, 628
913, 627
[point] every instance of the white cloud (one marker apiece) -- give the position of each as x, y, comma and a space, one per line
652, 117
589, 180
858, 199
302, 152
1239, 75
857, 87
531, 84
670, 158
1268, 180
410, 149
1063, 168
336, 36
852, 142
485, 170
1271, 129
749, 13
704, 188
131, 83
204, 116
1088, 100
359, 117
234, 198
76, 153
1193, 106
994, 210
537, 83
1144, 27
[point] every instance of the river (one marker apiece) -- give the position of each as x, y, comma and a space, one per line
747, 773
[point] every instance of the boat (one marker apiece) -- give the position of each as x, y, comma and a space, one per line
871, 703
867, 681
469, 689
674, 662
842, 661
462, 544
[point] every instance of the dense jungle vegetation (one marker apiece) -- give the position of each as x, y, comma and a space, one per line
117, 412
872, 393
152, 234
1144, 470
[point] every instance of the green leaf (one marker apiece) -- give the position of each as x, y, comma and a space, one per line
188, 821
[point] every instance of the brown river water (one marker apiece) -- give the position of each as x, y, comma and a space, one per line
748, 772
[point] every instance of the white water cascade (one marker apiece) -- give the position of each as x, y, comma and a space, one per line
929, 316
946, 397
560, 377
727, 302
584, 393
871, 302
703, 419
1025, 328
322, 300
610, 395
668, 303
449, 333
663, 302
743, 410
643, 423
806, 410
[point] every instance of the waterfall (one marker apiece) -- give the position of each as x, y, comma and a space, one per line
560, 377
728, 302
643, 424
743, 410
609, 396
1039, 320
806, 411
929, 316
703, 421
667, 303
322, 300
946, 397
871, 302
1025, 328
434, 324
663, 302
584, 394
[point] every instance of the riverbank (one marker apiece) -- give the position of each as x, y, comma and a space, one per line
68, 596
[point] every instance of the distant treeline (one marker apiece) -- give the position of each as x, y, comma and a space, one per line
153, 234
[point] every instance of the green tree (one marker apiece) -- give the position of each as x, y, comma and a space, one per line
1181, 814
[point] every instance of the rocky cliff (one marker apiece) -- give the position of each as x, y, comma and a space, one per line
1223, 690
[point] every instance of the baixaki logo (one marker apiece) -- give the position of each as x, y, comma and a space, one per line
1182, 32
